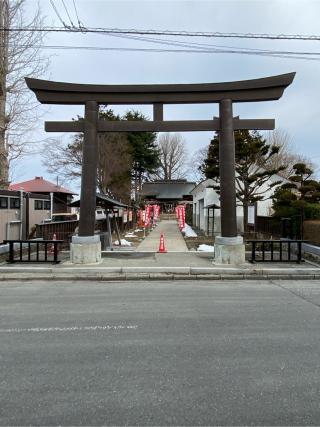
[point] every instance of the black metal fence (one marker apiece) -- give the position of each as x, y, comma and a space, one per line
275, 250
33, 251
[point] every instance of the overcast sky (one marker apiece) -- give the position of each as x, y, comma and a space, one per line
297, 112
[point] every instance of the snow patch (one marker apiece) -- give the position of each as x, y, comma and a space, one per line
130, 235
124, 242
188, 232
205, 248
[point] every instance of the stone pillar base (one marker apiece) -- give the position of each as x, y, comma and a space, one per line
229, 250
85, 250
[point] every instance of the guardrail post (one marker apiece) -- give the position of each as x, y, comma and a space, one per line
55, 252
299, 253
11, 252
289, 251
253, 252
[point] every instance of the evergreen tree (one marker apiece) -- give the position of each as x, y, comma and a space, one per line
252, 180
143, 150
300, 196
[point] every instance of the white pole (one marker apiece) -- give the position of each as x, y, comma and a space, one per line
51, 205
21, 213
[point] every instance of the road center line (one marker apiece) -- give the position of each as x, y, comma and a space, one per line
70, 328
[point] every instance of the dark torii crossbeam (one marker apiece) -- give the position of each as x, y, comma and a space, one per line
265, 89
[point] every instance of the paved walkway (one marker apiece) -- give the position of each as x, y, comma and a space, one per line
172, 237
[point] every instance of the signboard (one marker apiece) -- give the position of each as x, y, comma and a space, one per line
251, 214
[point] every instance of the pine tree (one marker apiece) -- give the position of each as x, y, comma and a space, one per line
143, 150
299, 197
252, 180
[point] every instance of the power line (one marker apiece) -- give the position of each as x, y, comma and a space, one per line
275, 54
66, 9
65, 26
195, 47
77, 15
98, 30
208, 46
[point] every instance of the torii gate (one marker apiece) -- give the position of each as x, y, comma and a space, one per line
229, 247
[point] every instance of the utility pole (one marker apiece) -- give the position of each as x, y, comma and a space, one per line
4, 37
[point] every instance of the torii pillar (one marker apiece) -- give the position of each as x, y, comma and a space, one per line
229, 248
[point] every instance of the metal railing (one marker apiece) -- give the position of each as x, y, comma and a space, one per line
276, 250
33, 251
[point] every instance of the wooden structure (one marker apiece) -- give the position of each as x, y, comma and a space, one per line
226, 94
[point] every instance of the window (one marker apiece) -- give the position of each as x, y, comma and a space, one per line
46, 205
14, 203
38, 205
3, 202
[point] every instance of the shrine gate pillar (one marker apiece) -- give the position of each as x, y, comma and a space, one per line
86, 246
229, 247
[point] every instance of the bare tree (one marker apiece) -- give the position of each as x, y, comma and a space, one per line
63, 159
195, 163
20, 57
114, 162
286, 154
173, 157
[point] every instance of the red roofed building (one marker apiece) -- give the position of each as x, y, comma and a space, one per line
61, 196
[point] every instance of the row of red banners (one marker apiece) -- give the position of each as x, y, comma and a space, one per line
149, 216
181, 216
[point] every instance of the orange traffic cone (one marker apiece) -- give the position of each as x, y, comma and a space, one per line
162, 248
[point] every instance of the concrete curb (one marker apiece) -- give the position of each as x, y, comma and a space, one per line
97, 269
154, 273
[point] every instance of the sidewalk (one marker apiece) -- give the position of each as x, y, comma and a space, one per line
172, 237
122, 266
145, 263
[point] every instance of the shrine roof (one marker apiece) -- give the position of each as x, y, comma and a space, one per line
169, 189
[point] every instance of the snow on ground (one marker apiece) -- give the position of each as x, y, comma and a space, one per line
205, 248
130, 235
188, 232
124, 242
138, 229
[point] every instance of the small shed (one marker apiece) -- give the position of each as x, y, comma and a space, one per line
111, 206
104, 201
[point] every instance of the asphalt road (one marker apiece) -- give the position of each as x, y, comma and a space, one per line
183, 353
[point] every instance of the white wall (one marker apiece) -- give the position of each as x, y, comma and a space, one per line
204, 196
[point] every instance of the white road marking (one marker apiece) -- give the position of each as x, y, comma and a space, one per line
70, 329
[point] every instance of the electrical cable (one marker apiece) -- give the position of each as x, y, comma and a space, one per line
77, 15
284, 54
65, 26
169, 32
206, 46
66, 9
